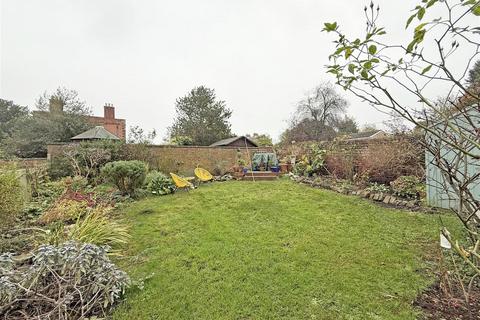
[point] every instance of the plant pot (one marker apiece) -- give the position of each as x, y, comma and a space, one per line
275, 169
284, 167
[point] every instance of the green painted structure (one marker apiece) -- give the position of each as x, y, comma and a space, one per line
462, 124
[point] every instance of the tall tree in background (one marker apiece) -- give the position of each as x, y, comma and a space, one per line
60, 116
136, 135
473, 78
316, 115
322, 104
201, 117
346, 125
9, 113
263, 140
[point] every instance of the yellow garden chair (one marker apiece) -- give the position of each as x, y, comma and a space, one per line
203, 175
180, 182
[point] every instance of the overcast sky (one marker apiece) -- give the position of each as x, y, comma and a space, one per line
260, 56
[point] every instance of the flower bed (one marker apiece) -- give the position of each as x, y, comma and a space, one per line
346, 187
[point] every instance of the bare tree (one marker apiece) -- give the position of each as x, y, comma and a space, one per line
317, 115
406, 79
322, 104
86, 159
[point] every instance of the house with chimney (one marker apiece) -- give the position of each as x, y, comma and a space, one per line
113, 125
109, 122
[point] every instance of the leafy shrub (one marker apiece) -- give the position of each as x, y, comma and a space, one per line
36, 176
47, 194
59, 168
138, 151
70, 281
76, 183
87, 158
11, 197
378, 187
128, 176
181, 141
159, 183
406, 186
64, 210
312, 163
302, 167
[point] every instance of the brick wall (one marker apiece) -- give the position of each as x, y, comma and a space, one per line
382, 159
25, 163
184, 159
215, 159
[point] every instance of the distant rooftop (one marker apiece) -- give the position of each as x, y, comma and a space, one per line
97, 133
365, 134
229, 141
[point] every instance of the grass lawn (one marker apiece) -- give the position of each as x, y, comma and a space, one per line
275, 250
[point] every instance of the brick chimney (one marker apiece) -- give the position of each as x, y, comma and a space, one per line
109, 111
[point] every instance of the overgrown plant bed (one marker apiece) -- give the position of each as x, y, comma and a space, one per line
436, 303
348, 188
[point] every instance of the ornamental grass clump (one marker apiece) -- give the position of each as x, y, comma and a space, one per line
64, 210
69, 281
11, 197
98, 228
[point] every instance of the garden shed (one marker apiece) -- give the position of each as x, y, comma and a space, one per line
462, 129
240, 142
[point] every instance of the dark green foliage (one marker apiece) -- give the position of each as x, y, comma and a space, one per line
473, 78
59, 167
30, 134
406, 186
262, 140
201, 117
159, 183
181, 141
346, 125
9, 112
317, 115
128, 176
